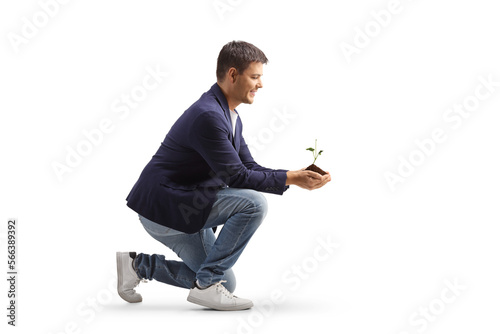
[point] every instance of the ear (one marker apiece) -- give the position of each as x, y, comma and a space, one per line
232, 73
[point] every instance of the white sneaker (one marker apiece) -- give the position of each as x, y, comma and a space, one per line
216, 296
127, 277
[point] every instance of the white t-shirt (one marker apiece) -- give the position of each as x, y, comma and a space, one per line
234, 117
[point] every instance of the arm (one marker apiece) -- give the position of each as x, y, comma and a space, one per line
302, 178
249, 162
209, 137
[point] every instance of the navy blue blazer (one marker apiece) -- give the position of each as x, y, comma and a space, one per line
198, 157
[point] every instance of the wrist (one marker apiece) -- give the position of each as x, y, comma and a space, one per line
290, 177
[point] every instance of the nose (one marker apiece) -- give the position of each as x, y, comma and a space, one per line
259, 83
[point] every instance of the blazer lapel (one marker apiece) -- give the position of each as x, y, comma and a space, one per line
225, 109
230, 123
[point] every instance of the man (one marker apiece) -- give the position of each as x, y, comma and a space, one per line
203, 176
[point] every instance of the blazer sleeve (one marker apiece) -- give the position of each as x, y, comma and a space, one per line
210, 138
249, 162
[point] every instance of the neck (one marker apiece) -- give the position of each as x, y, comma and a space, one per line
232, 104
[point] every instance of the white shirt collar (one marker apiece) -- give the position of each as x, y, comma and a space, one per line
234, 117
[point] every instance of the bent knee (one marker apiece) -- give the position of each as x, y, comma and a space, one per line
230, 279
260, 203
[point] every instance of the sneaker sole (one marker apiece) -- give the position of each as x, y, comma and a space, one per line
202, 302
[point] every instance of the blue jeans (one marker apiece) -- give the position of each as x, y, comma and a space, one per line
204, 257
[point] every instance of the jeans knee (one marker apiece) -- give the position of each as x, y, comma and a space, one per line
260, 204
230, 279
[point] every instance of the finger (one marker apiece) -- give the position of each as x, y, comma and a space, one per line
322, 183
317, 185
313, 175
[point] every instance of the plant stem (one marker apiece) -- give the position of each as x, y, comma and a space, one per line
315, 150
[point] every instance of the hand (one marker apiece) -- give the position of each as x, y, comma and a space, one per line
307, 179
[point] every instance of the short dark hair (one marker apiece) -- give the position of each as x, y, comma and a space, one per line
238, 54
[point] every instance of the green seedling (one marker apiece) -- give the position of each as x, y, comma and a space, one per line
314, 151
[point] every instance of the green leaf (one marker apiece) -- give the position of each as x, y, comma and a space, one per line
320, 152
310, 149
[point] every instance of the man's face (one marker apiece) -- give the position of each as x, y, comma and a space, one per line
248, 82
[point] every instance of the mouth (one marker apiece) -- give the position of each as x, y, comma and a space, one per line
252, 93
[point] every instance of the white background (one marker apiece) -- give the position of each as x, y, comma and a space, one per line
397, 248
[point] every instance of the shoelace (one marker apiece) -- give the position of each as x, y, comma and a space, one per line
221, 288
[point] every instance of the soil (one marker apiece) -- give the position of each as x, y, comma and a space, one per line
316, 169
